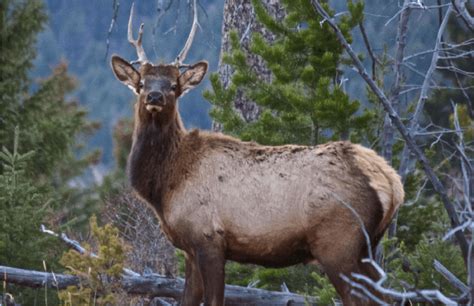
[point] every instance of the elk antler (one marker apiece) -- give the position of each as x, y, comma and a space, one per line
142, 59
182, 55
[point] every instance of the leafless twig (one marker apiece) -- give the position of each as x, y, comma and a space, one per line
412, 126
438, 186
426, 295
373, 56
75, 245
115, 5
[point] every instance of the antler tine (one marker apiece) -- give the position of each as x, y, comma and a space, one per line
182, 55
138, 42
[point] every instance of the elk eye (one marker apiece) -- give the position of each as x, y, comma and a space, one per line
140, 85
174, 86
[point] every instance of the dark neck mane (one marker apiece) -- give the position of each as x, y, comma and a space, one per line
153, 151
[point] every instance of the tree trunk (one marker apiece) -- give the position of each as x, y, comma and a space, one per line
239, 15
154, 285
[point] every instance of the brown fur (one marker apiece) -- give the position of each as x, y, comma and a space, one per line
219, 198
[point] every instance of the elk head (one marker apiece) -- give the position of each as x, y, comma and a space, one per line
158, 86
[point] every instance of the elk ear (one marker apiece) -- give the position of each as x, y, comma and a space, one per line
192, 76
126, 73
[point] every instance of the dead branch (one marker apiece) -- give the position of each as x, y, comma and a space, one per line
450, 277
403, 170
437, 185
75, 245
153, 285
360, 282
372, 55
388, 131
460, 7
113, 21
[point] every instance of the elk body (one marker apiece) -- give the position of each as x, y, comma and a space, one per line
222, 199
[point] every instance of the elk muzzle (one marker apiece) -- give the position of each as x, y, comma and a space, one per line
154, 101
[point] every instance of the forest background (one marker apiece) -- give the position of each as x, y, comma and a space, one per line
65, 123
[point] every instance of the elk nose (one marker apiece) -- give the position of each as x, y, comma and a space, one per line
154, 97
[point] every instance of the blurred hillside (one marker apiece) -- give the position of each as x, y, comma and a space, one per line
77, 33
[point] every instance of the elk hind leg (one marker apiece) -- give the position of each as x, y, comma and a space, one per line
211, 263
341, 258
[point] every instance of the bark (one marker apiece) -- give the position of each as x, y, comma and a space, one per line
388, 129
239, 15
154, 285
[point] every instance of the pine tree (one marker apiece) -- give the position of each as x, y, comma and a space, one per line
49, 123
305, 101
20, 21
23, 208
41, 151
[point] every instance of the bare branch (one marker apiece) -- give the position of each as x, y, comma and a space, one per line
427, 295
182, 55
361, 224
425, 87
412, 126
418, 194
115, 5
411, 5
448, 47
388, 131
437, 185
246, 32
401, 44
453, 280
460, 7
142, 59
75, 245
466, 167
372, 55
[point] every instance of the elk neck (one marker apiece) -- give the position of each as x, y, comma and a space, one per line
154, 149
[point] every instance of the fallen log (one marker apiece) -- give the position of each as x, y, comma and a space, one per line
154, 285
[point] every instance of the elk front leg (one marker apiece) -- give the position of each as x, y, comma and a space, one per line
211, 265
193, 288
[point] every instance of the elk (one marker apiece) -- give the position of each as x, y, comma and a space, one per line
219, 198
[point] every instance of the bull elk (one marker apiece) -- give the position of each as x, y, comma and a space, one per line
219, 198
